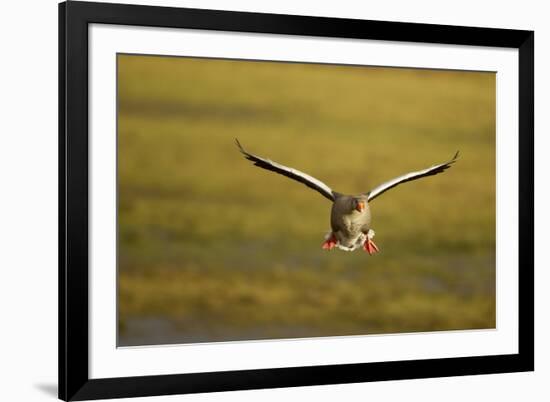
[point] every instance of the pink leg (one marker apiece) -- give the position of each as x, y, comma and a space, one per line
330, 243
370, 247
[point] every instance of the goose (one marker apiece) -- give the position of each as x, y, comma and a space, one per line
350, 216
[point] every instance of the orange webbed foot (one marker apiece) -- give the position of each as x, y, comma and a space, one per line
370, 247
329, 243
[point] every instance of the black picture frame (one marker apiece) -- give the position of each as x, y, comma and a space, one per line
74, 381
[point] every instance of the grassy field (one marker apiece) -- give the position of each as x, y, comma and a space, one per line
212, 248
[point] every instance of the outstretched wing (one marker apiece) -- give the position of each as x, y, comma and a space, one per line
433, 170
295, 174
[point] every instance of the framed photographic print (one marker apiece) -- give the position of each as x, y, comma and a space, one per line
257, 200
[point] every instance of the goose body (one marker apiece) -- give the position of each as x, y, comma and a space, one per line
349, 225
350, 216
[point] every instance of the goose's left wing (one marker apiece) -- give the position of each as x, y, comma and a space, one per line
289, 172
432, 170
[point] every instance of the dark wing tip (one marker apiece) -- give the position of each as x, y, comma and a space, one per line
239, 145
257, 161
243, 151
447, 165
452, 160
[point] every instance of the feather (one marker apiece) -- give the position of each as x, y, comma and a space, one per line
289, 172
431, 171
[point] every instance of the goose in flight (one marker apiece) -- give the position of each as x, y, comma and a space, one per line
350, 216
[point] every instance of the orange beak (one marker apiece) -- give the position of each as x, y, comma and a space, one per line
360, 206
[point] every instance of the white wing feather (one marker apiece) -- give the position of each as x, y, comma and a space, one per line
432, 170
289, 172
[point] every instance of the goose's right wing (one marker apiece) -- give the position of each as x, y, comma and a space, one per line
289, 172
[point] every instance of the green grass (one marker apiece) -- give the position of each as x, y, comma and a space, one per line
217, 246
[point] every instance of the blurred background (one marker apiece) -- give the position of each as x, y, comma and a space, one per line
212, 248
